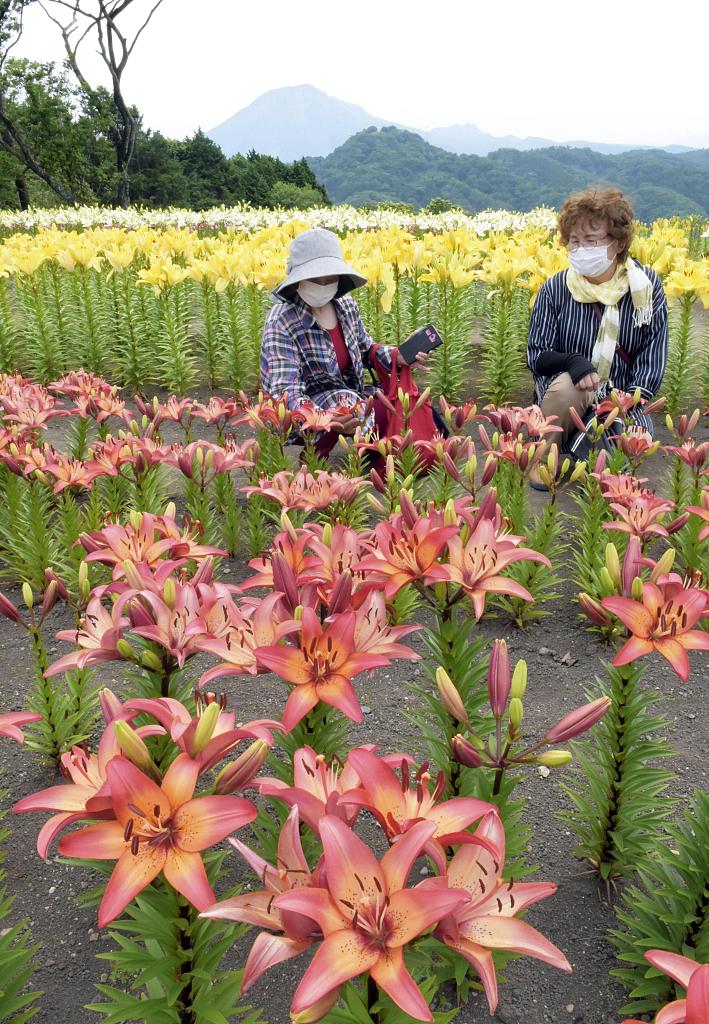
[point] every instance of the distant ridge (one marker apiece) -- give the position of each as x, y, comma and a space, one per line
300, 120
388, 164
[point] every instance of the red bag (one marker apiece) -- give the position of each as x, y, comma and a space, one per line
421, 422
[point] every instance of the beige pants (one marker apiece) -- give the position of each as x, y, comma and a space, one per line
561, 396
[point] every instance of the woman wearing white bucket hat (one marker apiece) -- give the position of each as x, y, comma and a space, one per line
315, 346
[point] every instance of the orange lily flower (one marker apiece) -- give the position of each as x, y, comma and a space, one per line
663, 622
321, 667
486, 920
159, 828
97, 638
367, 916
398, 806
237, 644
298, 931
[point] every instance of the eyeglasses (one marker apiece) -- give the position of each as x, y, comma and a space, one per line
588, 243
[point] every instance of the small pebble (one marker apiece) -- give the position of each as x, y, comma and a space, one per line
692, 717
366, 710
569, 1007
546, 651
543, 771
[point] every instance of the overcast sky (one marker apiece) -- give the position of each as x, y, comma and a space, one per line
610, 71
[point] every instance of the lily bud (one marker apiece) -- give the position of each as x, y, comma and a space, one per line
50, 598
498, 678
135, 518
664, 564
554, 758
677, 523
8, 609
241, 771
132, 575
205, 728
375, 504
298, 613
169, 593
150, 660
636, 590
327, 534
377, 481
465, 753
613, 564
135, 749
450, 467
170, 510
578, 472
125, 650
578, 721
593, 610
452, 700
408, 509
83, 580
607, 586
287, 526
27, 595
516, 712
341, 594
318, 1010
110, 705
565, 467
519, 680
489, 470
450, 516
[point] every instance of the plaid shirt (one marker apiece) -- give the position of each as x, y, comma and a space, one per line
298, 358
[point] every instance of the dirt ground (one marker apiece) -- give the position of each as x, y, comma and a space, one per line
576, 918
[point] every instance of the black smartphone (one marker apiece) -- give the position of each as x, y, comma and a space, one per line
424, 340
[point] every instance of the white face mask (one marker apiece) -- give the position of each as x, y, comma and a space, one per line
590, 261
317, 294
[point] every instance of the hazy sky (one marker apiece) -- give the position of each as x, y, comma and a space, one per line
610, 70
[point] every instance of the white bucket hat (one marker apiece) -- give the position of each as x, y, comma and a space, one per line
317, 253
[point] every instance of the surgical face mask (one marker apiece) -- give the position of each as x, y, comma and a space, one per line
317, 294
592, 261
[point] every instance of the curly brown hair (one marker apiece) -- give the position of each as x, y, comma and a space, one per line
599, 204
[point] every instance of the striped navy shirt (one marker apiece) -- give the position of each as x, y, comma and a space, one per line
561, 324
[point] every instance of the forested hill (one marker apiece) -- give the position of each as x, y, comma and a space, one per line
376, 165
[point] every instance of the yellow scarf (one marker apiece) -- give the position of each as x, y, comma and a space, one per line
627, 277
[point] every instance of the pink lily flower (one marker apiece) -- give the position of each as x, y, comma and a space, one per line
367, 916
10, 722
158, 828
398, 806
486, 920
693, 977
295, 932
662, 622
97, 638
321, 667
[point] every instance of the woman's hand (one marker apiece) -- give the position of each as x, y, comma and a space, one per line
588, 383
420, 362
345, 424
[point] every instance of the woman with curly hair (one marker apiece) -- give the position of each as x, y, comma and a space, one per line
603, 322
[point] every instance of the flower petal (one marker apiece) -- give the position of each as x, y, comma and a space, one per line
301, 700
287, 662
343, 955
631, 613
482, 961
249, 907
96, 842
698, 996
266, 951
352, 869
635, 647
415, 910
392, 977
185, 873
317, 904
679, 968
673, 652
518, 936
130, 786
338, 692
675, 1013
398, 860
209, 819
130, 876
